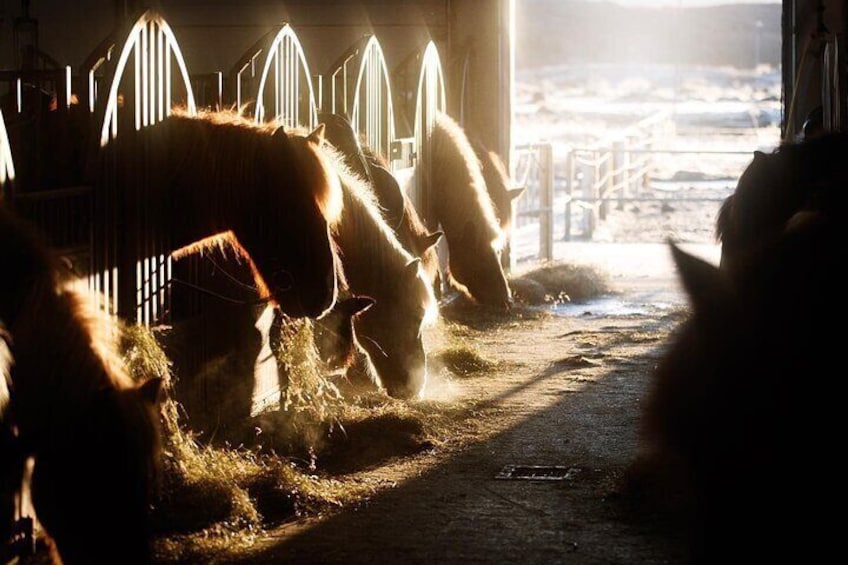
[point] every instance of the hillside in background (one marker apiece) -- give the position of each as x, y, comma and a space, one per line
557, 32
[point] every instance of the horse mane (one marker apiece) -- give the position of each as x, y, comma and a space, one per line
363, 214
236, 154
452, 155
363, 222
224, 151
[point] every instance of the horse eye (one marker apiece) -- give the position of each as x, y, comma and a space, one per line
282, 280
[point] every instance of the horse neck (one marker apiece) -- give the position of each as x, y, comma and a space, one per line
371, 253
188, 193
459, 189
58, 367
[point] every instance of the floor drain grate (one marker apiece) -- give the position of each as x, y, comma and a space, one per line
536, 472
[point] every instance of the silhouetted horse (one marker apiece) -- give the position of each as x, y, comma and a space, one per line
799, 175
219, 178
93, 432
376, 265
397, 208
739, 437
459, 204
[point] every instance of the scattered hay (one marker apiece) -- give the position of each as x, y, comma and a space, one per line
464, 361
212, 495
302, 459
559, 282
308, 388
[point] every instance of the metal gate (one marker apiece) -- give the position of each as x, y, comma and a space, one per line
131, 272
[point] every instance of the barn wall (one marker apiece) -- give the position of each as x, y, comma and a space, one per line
479, 41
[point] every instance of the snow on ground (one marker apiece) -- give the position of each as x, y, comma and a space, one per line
718, 116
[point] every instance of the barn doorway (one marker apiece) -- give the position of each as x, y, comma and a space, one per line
625, 136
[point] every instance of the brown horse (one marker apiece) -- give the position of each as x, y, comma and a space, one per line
799, 175
499, 185
92, 431
376, 265
738, 436
458, 203
398, 210
219, 178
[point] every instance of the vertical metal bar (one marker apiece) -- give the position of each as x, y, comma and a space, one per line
145, 75
169, 98
160, 74
137, 85
277, 85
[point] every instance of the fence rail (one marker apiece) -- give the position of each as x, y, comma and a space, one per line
578, 190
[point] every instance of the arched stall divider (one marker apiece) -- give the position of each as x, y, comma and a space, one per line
132, 270
429, 100
360, 88
283, 90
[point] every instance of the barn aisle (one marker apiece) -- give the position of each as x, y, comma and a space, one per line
561, 407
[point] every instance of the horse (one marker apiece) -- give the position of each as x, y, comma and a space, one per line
376, 265
93, 432
220, 179
798, 175
499, 185
458, 203
11, 466
397, 208
737, 436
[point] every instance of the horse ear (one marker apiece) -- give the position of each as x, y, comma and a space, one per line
151, 390
411, 268
358, 304
281, 133
317, 135
514, 193
704, 283
426, 241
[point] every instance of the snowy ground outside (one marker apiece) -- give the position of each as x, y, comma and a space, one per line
722, 115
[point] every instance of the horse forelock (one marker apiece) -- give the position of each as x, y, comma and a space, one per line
453, 154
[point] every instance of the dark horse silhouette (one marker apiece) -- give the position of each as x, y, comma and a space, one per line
92, 431
739, 440
218, 178
799, 175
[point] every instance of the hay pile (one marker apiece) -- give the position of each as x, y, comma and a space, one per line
554, 283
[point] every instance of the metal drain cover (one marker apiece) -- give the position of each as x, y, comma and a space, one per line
536, 472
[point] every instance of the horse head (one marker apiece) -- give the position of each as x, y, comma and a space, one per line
474, 265
393, 342
293, 251
499, 185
